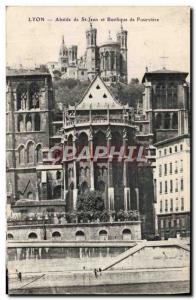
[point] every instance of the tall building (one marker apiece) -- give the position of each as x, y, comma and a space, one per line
29, 103
165, 121
40, 182
109, 59
172, 185
165, 103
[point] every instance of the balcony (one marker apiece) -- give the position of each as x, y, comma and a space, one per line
97, 121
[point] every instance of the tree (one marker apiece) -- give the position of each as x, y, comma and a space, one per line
134, 81
131, 93
70, 91
90, 205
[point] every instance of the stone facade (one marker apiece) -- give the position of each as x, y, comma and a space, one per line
172, 185
97, 120
78, 232
110, 59
28, 109
166, 103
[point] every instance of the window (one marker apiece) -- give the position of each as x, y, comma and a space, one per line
176, 167
39, 153
161, 206
182, 203
160, 188
182, 184
30, 152
181, 147
177, 204
176, 189
160, 170
37, 122
162, 223
181, 165
170, 150
183, 223
175, 121
167, 121
58, 175
103, 235
171, 186
165, 169
159, 153
10, 236
170, 168
165, 151
176, 148
32, 235
166, 205
178, 222
165, 187
21, 155
171, 204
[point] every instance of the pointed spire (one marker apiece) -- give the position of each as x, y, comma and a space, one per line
121, 26
109, 36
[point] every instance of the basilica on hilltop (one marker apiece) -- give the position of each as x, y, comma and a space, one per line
108, 58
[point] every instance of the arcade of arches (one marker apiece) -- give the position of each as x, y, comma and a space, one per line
113, 179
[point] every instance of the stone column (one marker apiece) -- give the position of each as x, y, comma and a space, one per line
162, 120
171, 118
28, 98
65, 191
90, 141
180, 130
33, 122
75, 190
115, 67
110, 175
65, 172
137, 197
125, 176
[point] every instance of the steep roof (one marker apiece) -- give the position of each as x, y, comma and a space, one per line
98, 96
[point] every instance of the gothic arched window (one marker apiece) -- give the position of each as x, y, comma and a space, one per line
28, 122
30, 152
39, 153
112, 60
158, 121
37, 122
21, 155
84, 187
21, 95
107, 58
167, 121
175, 121
20, 123
33, 96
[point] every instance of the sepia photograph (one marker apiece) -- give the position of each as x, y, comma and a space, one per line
98, 142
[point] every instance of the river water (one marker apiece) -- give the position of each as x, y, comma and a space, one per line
180, 287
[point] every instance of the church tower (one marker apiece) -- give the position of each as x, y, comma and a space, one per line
122, 40
63, 56
91, 51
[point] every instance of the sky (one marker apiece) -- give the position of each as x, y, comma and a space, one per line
32, 43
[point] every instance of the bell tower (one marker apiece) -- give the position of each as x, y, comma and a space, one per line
91, 51
63, 56
122, 40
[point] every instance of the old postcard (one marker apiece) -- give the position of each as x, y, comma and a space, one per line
98, 150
